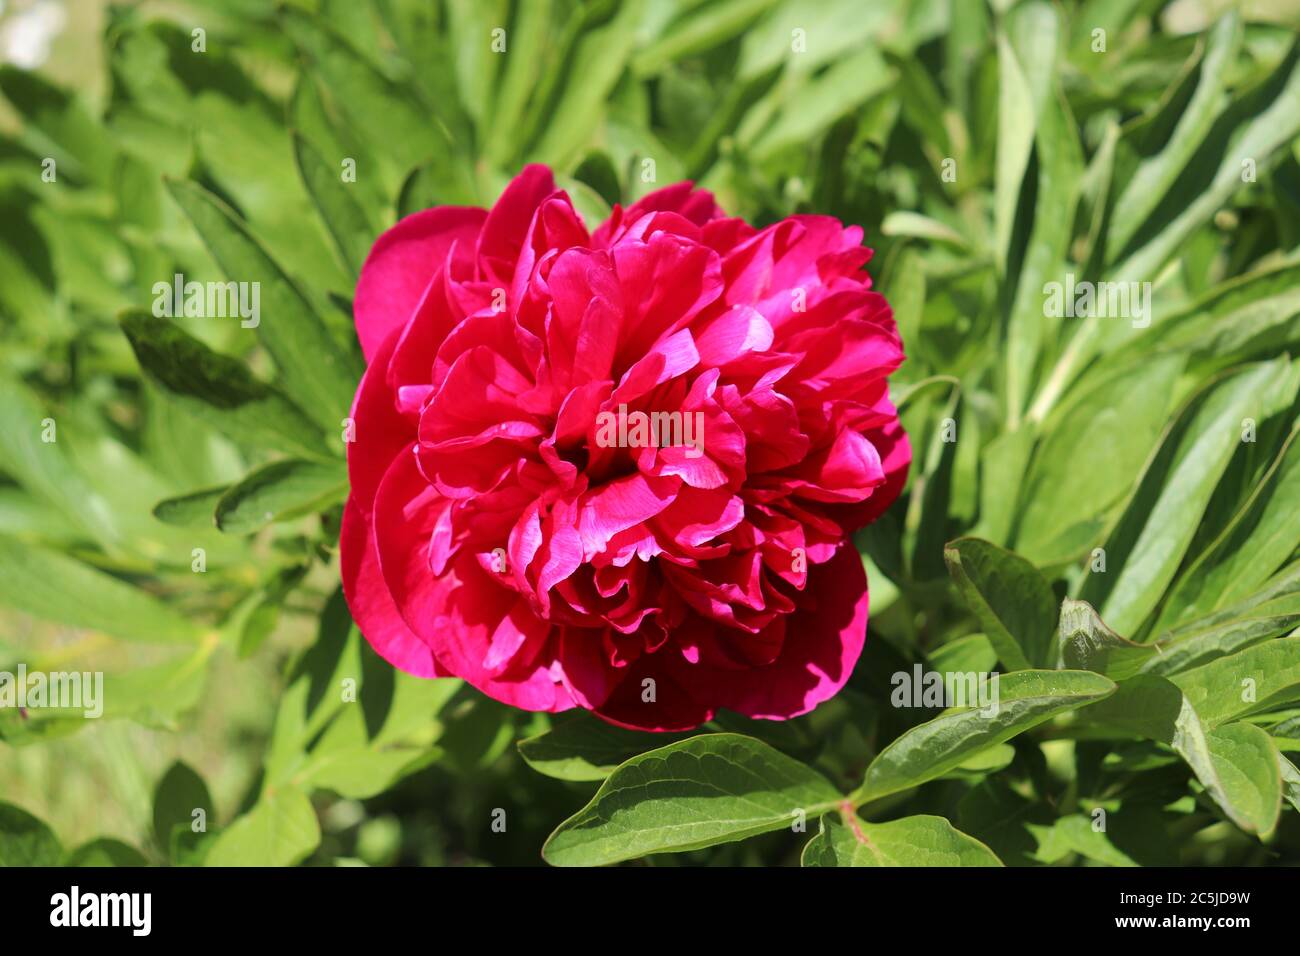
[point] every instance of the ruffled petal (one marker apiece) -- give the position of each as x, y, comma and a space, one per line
401, 264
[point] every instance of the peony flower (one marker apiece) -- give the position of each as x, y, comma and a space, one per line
528, 511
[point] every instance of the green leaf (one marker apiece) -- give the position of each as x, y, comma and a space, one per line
1258, 125
589, 204
1088, 644
712, 788
280, 830
425, 42
54, 587
1252, 315
985, 762
1003, 819
128, 483
25, 840
1192, 648
27, 517
313, 696
1004, 462
280, 491
247, 153
183, 449
105, 852
1247, 762
264, 616
359, 772
1075, 834
1145, 550
1244, 682
1290, 781
931, 493
818, 103
970, 652
382, 113
343, 215
906, 291
1114, 423
582, 747
1159, 172
319, 125
1226, 764
155, 695
702, 29
1261, 121
1096, 192
836, 27
924, 110
316, 373
194, 510
1060, 168
597, 63
1279, 595
1263, 534
348, 721
1024, 699
189, 848
60, 124
1026, 58
219, 389
911, 841
1012, 601
43, 467
475, 62
179, 793
530, 37
384, 736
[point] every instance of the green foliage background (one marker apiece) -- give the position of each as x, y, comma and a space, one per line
1161, 694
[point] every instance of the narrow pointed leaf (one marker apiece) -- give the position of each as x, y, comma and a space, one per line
344, 217
54, 587
1024, 700
280, 491
1192, 649
1261, 537
1145, 551
219, 389
316, 373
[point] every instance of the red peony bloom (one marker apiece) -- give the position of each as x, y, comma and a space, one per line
619, 470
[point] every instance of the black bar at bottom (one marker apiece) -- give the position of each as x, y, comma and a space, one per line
580, 908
